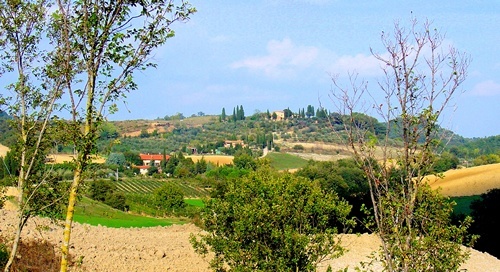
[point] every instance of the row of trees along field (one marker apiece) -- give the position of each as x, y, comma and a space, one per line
256, 218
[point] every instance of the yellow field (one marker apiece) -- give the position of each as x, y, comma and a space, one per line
60, 158
3, 150
468, 181
215, 159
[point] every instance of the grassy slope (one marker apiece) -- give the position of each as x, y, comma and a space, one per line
95, 213
284, 161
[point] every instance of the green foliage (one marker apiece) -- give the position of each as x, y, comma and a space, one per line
99, 189
431, 242
227, 172
116, 159
445, 162
144, 134
486, 159
169, 198
486, 222
132, 158
108, 131
4, 255
117, 200
105, 191
298, 147
282, 161
244, 161
345, 178
9, 165
269, 221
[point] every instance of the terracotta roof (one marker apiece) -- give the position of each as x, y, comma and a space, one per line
156, 157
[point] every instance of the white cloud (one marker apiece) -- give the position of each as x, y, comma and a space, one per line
364, 65
486, 88
283, 59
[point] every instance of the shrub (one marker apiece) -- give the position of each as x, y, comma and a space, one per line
117, 200
104, 191
169, 198
270, 221
298, 147
99, 189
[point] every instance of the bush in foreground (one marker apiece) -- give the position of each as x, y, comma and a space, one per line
270, 221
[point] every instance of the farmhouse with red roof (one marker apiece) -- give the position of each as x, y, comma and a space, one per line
149, 160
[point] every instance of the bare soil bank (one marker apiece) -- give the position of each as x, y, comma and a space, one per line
168, 248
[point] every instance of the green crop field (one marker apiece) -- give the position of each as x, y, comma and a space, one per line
147, 186
283, 161
96, 213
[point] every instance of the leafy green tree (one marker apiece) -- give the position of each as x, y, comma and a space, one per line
223, 115
270, 221
235, 117
275, 116
9, 165
117, 200
108, 130
201, 166
487, 159
144, 133
412, 222
347, 180
132, 158
310, 111
99, 189
116, 159
33, 91
169, 198
445, 162
288, 113
101, 43
152, 170
105, 191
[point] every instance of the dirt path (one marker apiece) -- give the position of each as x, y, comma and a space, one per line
168, 249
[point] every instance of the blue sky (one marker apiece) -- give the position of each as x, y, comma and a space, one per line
277, 54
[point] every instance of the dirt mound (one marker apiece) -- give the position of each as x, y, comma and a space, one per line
168, 249
468, 181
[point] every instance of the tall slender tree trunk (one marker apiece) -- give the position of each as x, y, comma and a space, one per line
69, 217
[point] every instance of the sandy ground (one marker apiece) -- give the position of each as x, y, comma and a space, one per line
168, 248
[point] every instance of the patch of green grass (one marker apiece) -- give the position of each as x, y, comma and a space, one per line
283, 161
463, 204
95, 213
197, 202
